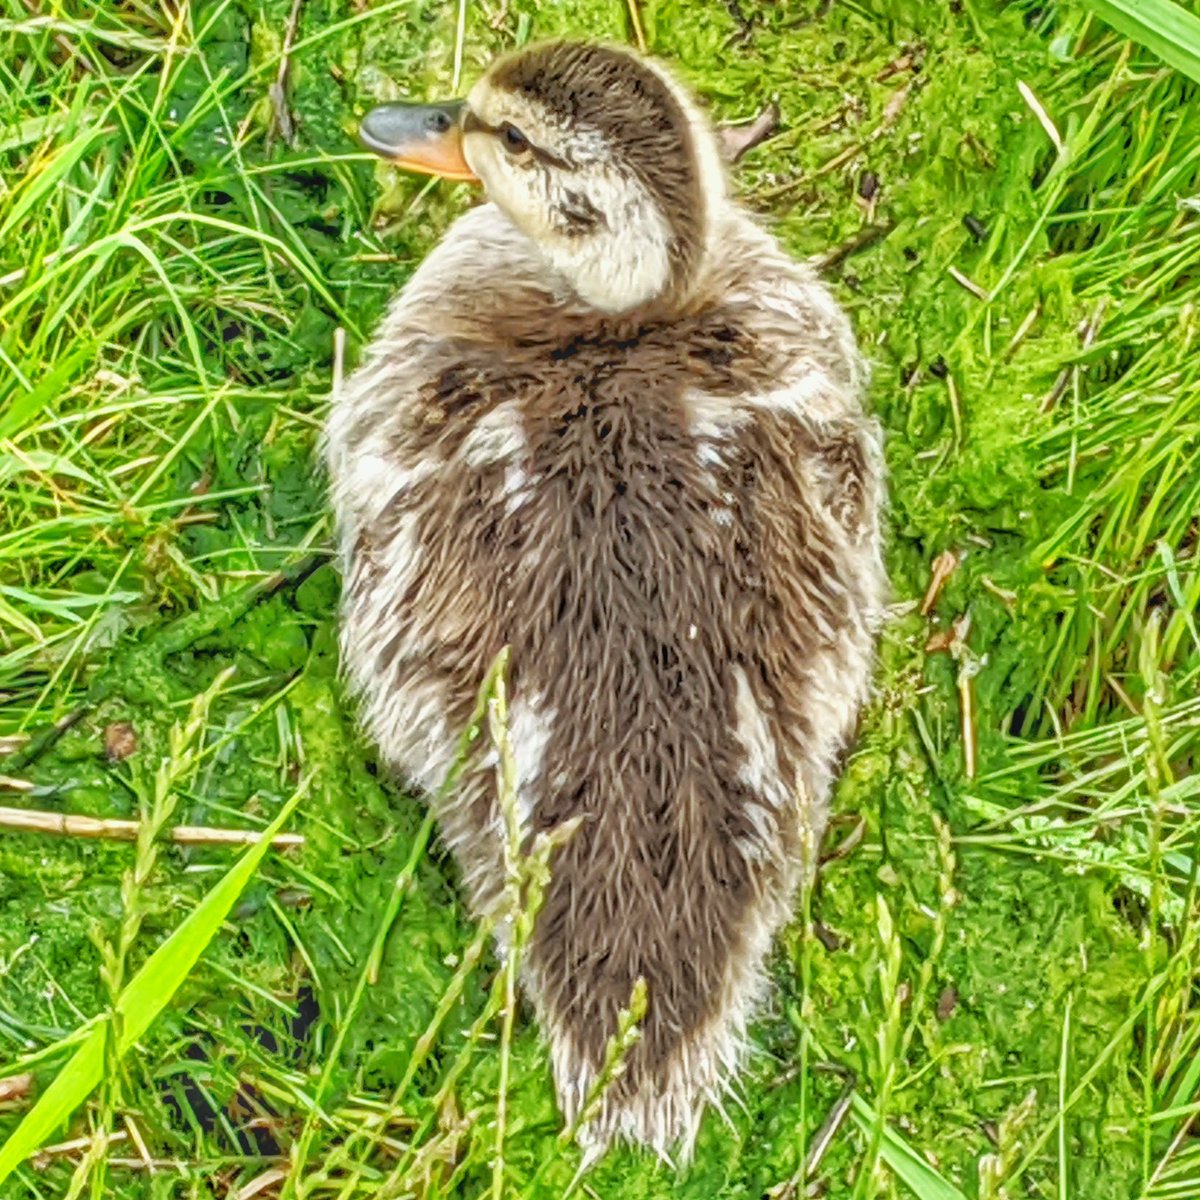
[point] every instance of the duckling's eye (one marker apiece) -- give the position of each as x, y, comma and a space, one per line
515, 142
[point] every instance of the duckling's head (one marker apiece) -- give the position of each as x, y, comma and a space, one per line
595, 154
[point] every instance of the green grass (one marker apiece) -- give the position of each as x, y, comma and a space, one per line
1008, 964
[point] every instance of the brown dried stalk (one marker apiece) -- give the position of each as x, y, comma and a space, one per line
943, 567
15, 1088
738, 140
32, 820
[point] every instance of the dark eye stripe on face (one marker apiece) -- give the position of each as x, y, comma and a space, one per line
473, 123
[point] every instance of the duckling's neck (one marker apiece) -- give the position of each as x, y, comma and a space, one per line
490, 282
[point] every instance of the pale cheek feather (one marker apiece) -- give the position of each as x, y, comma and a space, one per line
629, 261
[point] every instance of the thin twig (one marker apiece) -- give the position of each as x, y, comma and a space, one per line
42, 741
136, 1137
906, 62
1053, 396
842, 157
823, 1139
820, 1144
1022, 331
895, 105
635, 19
79, 1143
847, 845
31, 820
967, 282
153, 1165
867, 236
737, 140
944, 566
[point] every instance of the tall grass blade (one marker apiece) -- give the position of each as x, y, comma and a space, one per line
1162, 26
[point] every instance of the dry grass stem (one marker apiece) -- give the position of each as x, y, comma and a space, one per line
278, 89
79, 826
15, 1088
943, 567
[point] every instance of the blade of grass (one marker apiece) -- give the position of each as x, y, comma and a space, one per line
1162, 26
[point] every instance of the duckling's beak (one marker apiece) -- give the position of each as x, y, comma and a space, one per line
419, 137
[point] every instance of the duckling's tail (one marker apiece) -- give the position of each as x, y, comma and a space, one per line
698, 933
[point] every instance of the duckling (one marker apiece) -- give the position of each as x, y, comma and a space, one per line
610, 424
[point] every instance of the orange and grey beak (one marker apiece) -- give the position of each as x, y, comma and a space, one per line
419, 137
